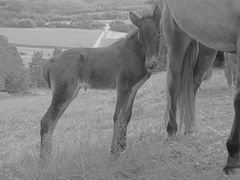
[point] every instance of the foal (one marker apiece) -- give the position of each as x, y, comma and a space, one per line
120, 65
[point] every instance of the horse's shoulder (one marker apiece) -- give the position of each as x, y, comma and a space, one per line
74, 53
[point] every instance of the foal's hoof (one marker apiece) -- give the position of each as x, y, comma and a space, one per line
123, 147
115, 153
232, 164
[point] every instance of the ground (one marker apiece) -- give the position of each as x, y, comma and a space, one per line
83, 135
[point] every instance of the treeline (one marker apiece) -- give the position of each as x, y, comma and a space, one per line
46, 13
28, 20
11, 65
14, 76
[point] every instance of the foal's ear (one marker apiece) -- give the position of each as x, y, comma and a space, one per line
157, 15
134, 19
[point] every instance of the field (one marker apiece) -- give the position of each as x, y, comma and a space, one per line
83, 135
51, 37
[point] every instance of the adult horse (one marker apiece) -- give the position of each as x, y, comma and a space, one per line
216, 25
120, 65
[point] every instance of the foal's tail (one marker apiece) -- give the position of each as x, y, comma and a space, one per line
46, 72
186, 100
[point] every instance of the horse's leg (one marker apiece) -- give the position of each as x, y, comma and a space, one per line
122, 94
62, 97
176, 52
234, 76
178, 42
233, 142
123, 117
228, 72
205, 59
228, 75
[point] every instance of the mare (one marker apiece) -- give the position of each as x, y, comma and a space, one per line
120, 65
194, 31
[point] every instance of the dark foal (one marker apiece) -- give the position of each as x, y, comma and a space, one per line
120, 65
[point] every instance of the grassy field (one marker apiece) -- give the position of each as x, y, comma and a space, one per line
83, 135
51, 37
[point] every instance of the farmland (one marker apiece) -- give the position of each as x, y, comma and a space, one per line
51, 37
83, 135
28, 40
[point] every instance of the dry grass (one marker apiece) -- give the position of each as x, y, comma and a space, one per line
83, 136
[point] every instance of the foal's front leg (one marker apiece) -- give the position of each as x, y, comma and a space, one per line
122, 115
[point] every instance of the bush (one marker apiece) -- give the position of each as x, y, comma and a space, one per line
10, 62
87, 24
17, 83
121, 26
35, 70
41, 23
3, 21
59, 24
26, 23
22, 23
13, 22
57, 51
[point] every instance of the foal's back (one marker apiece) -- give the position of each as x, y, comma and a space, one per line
99, 67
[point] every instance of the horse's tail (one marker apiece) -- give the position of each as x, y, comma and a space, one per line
186, 100
46, 75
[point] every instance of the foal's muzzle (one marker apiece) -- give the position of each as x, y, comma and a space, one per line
151, 64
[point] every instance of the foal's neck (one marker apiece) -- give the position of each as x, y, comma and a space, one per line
132, 42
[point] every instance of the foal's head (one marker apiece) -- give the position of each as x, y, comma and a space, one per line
149, 36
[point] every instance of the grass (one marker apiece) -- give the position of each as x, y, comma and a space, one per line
83, 135
50, 37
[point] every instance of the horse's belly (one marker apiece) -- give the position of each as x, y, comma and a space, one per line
214, 23
102, 79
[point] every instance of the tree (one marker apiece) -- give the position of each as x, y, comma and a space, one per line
15, 84
155, 2
10, 61
56, 51
35, 69
13, 75
121, 26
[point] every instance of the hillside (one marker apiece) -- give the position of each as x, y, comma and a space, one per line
83, 135
69, 6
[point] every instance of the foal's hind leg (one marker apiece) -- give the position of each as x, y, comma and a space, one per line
122, 115
233, 142
205, 59
62, 97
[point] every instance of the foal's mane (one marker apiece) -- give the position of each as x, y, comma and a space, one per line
132, 34
129, 36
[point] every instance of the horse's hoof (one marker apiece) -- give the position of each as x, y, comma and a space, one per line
171, 133
228, 170
232, 164
171, 130
123, 146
